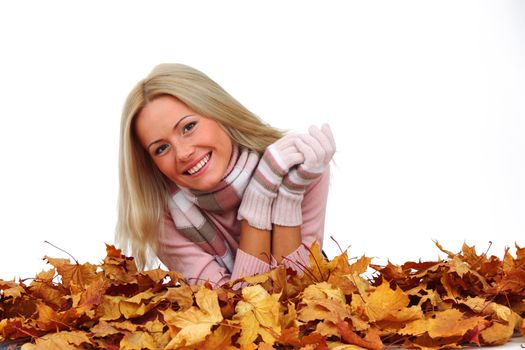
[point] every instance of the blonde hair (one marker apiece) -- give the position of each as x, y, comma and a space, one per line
142, 196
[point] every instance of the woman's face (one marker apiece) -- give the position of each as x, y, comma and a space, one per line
191, 150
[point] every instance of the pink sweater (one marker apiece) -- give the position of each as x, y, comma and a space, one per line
180, 254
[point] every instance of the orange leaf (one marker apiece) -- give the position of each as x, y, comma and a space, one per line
371, 341
443, 324
79, 274
137, 341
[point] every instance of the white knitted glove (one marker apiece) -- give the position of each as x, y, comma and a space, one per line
318, 148
276, 161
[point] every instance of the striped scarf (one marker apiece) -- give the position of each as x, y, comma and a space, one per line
188, 207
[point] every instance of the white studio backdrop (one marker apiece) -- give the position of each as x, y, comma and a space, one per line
426, 101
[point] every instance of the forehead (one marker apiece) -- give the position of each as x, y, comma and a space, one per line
158, 116
162, 107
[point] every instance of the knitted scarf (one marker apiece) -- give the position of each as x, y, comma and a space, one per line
188, 207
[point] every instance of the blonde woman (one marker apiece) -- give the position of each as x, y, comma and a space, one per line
210, 189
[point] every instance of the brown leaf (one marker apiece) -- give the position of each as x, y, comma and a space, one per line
371, 340
289, 336
191, 326
220, 338
79, 274
137, 341
109, 308
258, 314
62, 340
443, 324
103, 329
181, 296
10, 289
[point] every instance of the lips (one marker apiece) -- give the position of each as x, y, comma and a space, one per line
195, 168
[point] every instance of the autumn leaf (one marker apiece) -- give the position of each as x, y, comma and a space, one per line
109, 308
61, 340
465, 299
384, 303
320, 268
79, 274
370, 341
330, 310
191, 326
137, 341
323, 290
258, 313
443, 324
497, 333
137, 305
221, 338
181, 296
10, 289
103, 329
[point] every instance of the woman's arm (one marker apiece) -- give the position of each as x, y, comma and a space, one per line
255, 242
285, 240
290, 245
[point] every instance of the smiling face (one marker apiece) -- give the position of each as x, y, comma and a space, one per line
191, 150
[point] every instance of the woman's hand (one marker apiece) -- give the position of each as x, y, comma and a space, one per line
275, 163
318, 148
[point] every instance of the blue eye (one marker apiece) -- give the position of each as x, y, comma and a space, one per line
188, 127
159, 150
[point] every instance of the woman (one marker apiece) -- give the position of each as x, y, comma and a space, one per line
210, 189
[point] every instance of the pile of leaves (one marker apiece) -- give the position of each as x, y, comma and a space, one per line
465, 299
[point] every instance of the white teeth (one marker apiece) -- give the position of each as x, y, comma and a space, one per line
199, 165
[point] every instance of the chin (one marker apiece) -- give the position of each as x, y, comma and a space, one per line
208, 185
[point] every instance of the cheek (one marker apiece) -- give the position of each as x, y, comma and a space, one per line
164, 165
224, 141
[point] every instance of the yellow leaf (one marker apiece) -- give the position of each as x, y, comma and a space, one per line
130, 310
108, 309
335, 345
385, 303
194, 324
448, 323
220, 338
10, 289
103, 329
141, 297
323, 290
361, 265
323, 309
182, 296
154, 326
79, 274
137, 340
62, 340
320, 268
497, 334
289, 319
327, 328
257, 311
125, 326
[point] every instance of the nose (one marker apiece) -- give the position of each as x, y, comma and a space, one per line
184, 151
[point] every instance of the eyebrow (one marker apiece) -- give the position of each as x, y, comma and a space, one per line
174, 127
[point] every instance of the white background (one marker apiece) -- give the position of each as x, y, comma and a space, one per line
426, 101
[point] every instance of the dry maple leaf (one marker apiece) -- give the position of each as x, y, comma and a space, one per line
79, 274
10, 289
61, 340
465, 299
258, 314
138, 340
444, 324
191, 326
